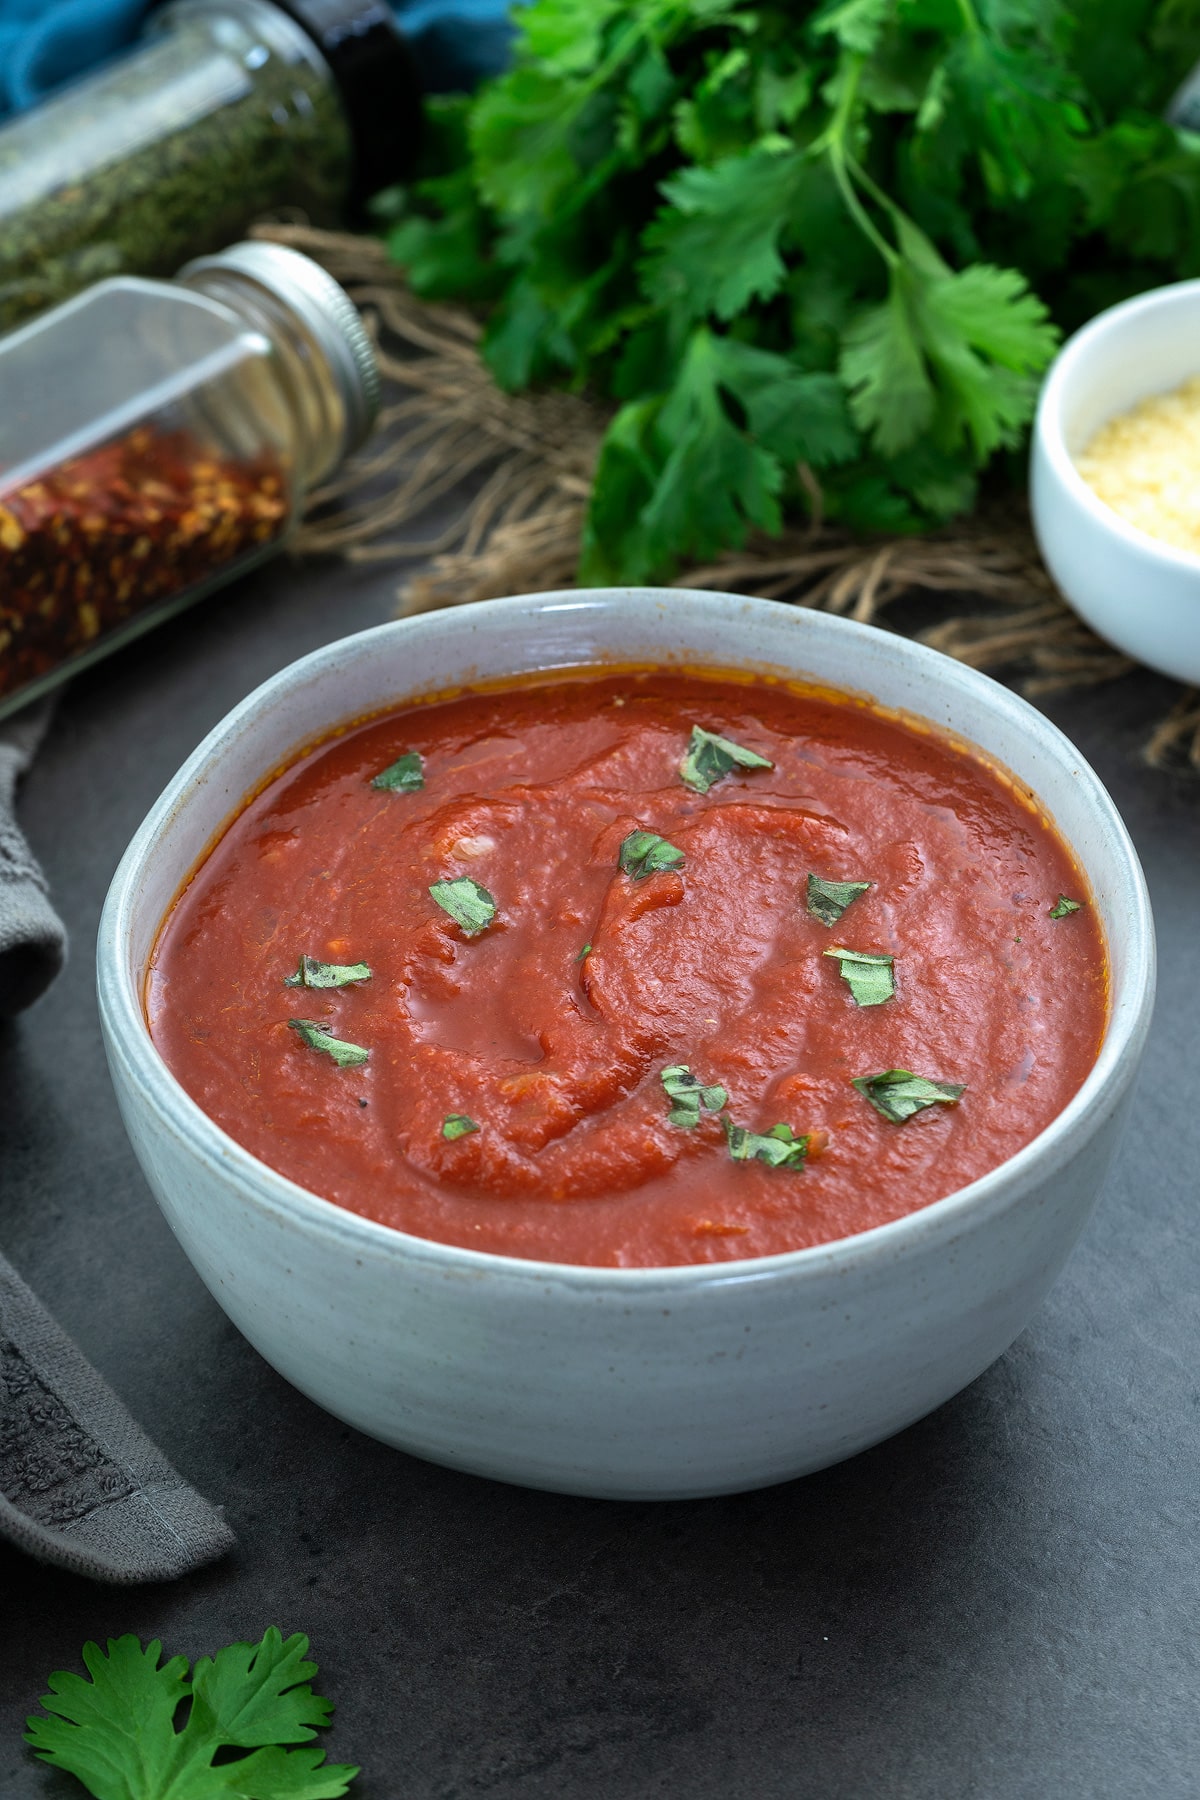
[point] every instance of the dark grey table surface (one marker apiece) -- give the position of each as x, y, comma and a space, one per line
1003, 1602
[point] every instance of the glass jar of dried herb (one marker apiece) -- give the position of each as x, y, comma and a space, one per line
227, 110
158, 438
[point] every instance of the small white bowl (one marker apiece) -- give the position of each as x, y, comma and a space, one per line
621, 1383
1139, 593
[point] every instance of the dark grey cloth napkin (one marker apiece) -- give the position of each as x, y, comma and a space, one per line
33, 942
80, 1485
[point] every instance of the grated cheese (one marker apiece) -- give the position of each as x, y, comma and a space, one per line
1145, 464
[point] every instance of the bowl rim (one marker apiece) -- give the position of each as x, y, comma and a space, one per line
1048, 427
128, 1037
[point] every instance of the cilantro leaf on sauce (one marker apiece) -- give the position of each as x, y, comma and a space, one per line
469, 905
314, 974
346, 1056
898, 1093
780, 1148
710, 757
404, 776
828, 900
688, 1094
1063, 907
645, 853
456, 1125
584, 953
118, 1732
868, 977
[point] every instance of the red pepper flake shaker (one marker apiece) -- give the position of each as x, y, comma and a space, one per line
158, 438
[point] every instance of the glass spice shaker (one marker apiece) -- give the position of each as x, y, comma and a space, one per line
226, 110
158, 438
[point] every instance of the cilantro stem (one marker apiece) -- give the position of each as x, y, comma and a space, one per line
842, 162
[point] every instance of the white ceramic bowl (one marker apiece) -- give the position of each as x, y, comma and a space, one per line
626, 1383
1140, 594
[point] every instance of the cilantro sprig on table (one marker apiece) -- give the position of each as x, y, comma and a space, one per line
119, 1734
815, 256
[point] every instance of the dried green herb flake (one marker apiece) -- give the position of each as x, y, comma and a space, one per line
314, 974
404, 776
709, 758
346, 1056
780, 1148
898, 1093
688, 1094
828, 900
868, 977
469, 905
645, 853
456, 1125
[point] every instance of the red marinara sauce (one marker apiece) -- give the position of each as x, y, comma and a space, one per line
550, 1059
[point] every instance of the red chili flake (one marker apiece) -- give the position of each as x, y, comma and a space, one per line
110, 534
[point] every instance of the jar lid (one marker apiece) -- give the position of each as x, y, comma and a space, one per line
378, 80
327, 311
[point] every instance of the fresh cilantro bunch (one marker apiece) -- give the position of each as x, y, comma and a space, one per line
117, 1732
816, 256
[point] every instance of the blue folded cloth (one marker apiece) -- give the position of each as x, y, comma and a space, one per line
44, 43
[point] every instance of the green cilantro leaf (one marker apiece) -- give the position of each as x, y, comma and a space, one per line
1062, 907
469, 905
456, 1125
346, 1056
898, 1093
252, 1694
856, 24
828, 900
953, 351
690, 472
584, 953
314, 974
117, 1731
814, 259
868, 977
710, 757
715, 245
645, 853
688, 1094
780, 1148
404, 776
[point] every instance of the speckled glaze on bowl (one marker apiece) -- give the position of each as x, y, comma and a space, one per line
621, 1383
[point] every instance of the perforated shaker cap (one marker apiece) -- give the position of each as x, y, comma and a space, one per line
324, 308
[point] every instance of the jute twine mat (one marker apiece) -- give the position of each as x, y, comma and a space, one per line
526, 460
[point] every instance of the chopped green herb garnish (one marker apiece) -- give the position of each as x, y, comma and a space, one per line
898, 1093
314, 974
118, 1730
468, 904
780, 1147
645, 853
584, 953
346, 1056
404, 776
456, 1125
868, 977
688, 1094
1064, 906
710, 757
828, 900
